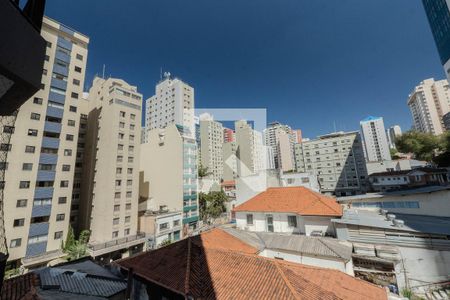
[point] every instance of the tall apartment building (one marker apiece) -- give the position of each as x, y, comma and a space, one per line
110, 179
173, 103
337, 159
38, 183
211, 137
228, 135
375, 139
428, 103
169, 174
282, 139
438, 13
298, 135
249, 151
392, 133
230, 161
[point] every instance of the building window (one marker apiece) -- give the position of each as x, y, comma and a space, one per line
73, 108
69, 137
121, 135
118, 170
19, 222
128, 206
35, 116
60, 217
27, 166
58, 235
76, 82
15, 243
176, 223
163, 226
21, 203
131, 149
8, 129
29, 149
66, 168
71, 123
24, 185
64, 183
74, 95
127, 219
62, 200
122, 114
292, 221
47, 58
130, 171
132, 116
121, 125
117, 195
116, 221
131, 126
119, 158
67, 152
32, 132
130, 159
3, 165
249, 219
79, 56
117, 207
129, 182
115, 234
128, 194
5, 147
77, 69
118, 182
120, 147
126, 231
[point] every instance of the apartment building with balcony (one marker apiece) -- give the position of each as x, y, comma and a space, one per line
110, 167
375, 141
282, 139
211, 137
337, 159
41, 162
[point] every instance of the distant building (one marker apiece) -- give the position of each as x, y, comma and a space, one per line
217, 265
211, 141
228, 135
446, 120
282, 139
397, 180
300, 179
394, 165
337, 159
438, 13
392, 133
168, 174
160, 226
428, 200
288, 210
429, 102
230, 161
375, 139
298, 135
173, 103
249, 149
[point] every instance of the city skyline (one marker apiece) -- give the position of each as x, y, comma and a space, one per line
260, 74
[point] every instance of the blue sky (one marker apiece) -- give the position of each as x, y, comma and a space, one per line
311, 63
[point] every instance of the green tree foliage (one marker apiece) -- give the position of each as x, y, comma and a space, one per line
73, 248
203, 171
212, 205
165, 243
394, 153
70, 239
426, 146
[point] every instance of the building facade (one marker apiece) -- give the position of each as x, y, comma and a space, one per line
211, 137
428, 103
110, 183
375, 140
282, 139
249, 149
228, 135
337, 159
230, 161
173, 103
392, 133
41, 160
438, 13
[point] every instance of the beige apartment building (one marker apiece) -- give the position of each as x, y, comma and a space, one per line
230, 161
211, 137
250, 151
38, 184
110, 178
282, 139
429, 102
337, 159
168, 176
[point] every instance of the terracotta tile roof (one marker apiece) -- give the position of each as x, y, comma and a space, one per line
228, 182
190, 267
22, 287
219, 239
299, 200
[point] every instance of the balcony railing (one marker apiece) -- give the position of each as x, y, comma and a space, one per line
117, 242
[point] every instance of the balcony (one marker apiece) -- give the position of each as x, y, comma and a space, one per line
97, 249
45, 176
52, 127
48, 142
41, 211
36, 248
43, 192
38, 229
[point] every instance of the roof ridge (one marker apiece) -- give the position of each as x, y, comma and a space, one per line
326, 204
331, 249
286, 280
188, 267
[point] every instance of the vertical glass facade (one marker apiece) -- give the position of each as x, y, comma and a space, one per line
438, 14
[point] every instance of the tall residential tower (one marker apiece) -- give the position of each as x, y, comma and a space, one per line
376, 145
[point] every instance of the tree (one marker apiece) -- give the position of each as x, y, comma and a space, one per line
424, 146
212, 205
394, 153
203, 171
75, 249
70, 239
164, 243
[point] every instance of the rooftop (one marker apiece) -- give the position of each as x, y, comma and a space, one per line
371, 118
406, 192
322, 246
412, 223
20, 287
299, 200
405, 172
197, 268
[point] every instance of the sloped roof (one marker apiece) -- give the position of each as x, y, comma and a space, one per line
189, 267
22, 287
298, 200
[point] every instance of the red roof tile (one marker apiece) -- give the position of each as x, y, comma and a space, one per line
190, 267
299, 200
22, 287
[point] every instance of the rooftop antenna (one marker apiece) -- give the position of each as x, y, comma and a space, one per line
160, 73
103, 74
334, 124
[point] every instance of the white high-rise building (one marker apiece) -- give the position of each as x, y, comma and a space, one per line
428, 103
249, 149
173, 103
211, 141
282, 139
38, 185
376, 145
392, 133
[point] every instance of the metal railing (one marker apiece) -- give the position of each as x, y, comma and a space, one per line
117, 242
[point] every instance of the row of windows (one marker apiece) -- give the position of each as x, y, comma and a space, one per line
26, 184
388, 204
18, 242
292, 220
